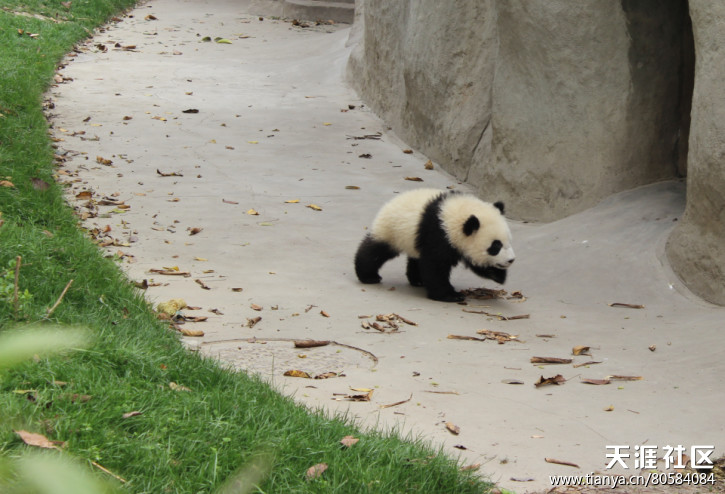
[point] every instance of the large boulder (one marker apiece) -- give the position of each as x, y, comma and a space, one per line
696, 248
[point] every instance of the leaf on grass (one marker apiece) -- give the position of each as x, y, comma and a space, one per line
629, 306
297, 373
472, 467
349, 441
128, 415
453, 428
550, 360
38, 440
544, 381
178, 387
580, 350
315, 471
6, 183
561, 462
39, 184
596, 382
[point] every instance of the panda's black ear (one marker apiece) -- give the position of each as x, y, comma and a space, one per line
471, 225
499, 206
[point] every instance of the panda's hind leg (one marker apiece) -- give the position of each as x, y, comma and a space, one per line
370, 257
413, 272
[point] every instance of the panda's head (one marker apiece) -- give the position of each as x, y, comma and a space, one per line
479, 232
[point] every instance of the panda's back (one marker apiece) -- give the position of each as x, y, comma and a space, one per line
398, 220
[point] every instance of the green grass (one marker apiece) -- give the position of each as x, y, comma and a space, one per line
184, 441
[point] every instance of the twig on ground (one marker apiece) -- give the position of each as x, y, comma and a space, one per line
57, 302
106, 470
18, 259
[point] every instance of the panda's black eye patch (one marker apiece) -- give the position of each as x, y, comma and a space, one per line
495, 248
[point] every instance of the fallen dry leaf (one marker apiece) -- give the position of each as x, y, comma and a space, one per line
191, 332
178, 387
428, 165
544, 381
314, 207
315, 471
6, 183
397, 402
561, 462
463, 337
227, 201
625, 378
168, 174
414, 179
252, 212
128, 415
500, 336
453, 428
38, 440
349, 441
297, 373
471, 467
629, 306
408, 151
591, 362
324, 313
195, 230
256, 307
310, 343
550, 360
580, 350
610, 408
251, 322
596, 382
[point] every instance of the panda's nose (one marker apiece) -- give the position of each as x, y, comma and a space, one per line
511, 261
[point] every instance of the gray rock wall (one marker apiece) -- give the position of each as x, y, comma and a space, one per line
696, 248
550, 106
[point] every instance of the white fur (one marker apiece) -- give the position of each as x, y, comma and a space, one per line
397, 225
455, 211
397, 222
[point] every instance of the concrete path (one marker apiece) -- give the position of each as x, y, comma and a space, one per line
257, 144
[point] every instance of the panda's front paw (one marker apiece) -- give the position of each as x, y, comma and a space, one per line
370, 280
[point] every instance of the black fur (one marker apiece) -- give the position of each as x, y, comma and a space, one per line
472, 225
371, 255
499, 206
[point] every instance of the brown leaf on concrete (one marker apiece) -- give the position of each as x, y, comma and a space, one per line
191, 332
596, 382
328, 375
628, 306
414, 179
453, 428
195, 230
168, 174
544, 381
561, 462
397, 402
580, 350
202, 284
311, 343
550, 360
591, 362
463, 337
297, 373
324, 313
252, 321
227, 201
625, 378
256, 307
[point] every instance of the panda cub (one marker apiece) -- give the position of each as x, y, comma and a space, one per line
436, 230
